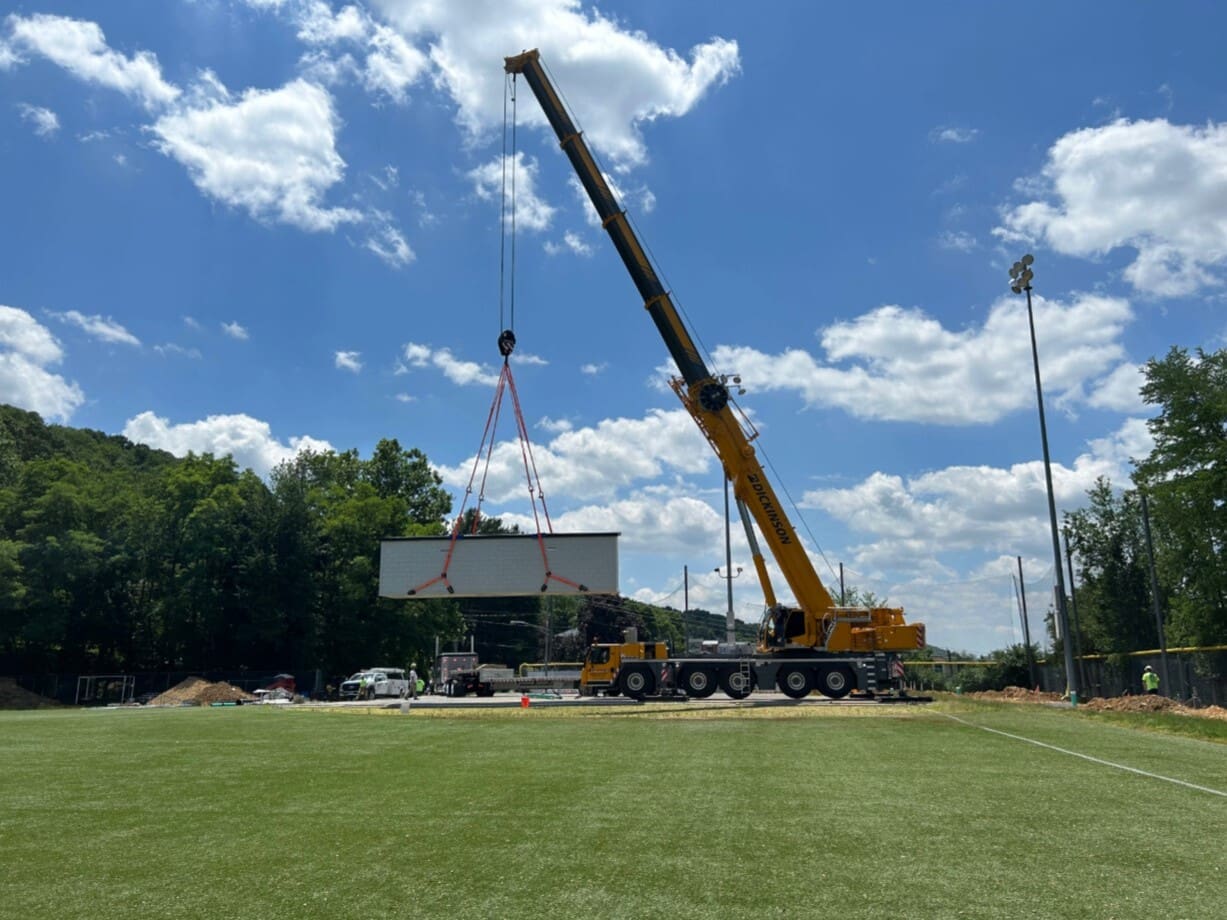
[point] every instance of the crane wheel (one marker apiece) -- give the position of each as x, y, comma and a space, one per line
637, 683
735, 684
699, 683
795, 682
835, 682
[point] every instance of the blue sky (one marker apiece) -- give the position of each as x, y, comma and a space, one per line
251, 226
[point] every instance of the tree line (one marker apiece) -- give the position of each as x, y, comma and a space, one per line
1174, 513
1154, 544
116, 557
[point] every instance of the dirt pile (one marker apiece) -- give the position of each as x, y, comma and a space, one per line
196, 691
1016, 695
1144, 703
15, 697
1149, 703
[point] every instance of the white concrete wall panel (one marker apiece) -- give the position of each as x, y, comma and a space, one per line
499, 565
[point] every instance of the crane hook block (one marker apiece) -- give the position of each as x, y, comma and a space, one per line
506, 343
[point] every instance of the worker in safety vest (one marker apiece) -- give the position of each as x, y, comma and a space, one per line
1150, 680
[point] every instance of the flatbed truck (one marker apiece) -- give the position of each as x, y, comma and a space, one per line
460, 674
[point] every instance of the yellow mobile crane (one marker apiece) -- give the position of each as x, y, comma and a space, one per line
815, 645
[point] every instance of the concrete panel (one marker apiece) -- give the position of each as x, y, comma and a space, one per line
499, 565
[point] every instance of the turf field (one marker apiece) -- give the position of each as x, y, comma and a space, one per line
803, 811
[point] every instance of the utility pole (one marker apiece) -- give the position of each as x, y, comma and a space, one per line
686, 607
730, 623
1154, 590
1022, 603
1073, 599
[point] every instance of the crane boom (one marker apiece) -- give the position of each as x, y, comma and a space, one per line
706, 397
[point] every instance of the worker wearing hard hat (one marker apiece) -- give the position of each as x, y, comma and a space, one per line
1150, 680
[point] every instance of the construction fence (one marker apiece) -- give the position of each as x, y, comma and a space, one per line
1195, 676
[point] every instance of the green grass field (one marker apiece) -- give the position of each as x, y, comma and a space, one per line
894, 812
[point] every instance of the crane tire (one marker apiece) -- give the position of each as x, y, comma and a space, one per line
835, 682
796, 683
699, 683
734, 684
637, 682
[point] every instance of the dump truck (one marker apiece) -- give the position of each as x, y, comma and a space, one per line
812, 644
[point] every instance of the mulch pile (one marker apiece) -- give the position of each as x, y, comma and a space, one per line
199, 692
15, 697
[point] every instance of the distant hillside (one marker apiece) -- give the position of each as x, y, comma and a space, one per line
25, 437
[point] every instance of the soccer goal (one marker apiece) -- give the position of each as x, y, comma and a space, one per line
106, 688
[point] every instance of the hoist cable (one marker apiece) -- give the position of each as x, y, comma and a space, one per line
502, 216
506, 341
514, 158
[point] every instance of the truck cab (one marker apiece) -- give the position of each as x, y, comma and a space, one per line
603, 663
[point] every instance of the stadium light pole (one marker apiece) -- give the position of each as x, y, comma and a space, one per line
1020, 282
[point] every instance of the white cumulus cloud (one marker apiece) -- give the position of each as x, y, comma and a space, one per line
271, 153
248, 440
80, 47
387, 242
1120, 390
571, 242
953, 135
594, 462
531, 212
46, 123
27, 350
615, 76
966, 508
103, 328
8, 57
1157, 188
898, 364
348, 361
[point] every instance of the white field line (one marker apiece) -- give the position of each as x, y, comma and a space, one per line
1105, 763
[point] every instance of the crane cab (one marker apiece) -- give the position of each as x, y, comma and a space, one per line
603, 662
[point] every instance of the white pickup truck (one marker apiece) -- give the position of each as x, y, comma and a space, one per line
379, 682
